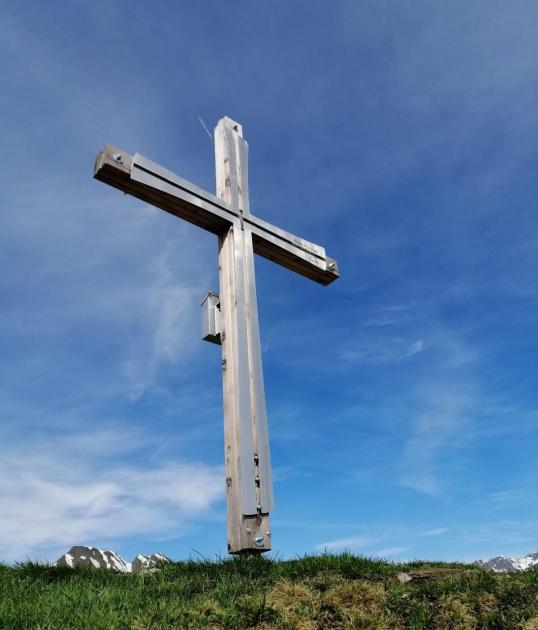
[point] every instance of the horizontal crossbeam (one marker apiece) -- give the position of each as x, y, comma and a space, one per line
146, 180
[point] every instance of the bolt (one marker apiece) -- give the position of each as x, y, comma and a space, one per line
256, 459
257, 480
259, 540
268, 533
259, 508
118, 157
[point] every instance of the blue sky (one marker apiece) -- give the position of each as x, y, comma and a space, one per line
402, 399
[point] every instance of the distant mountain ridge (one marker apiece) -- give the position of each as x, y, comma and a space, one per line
82, 556
504, 564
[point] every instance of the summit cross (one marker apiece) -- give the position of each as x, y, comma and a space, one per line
230, 318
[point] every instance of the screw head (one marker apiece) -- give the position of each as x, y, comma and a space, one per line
118, 157
259, 540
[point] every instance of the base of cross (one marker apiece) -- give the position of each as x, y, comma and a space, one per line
250, 536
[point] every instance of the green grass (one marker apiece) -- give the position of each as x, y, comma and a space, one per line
324, 591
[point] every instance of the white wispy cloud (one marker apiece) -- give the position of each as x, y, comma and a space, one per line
415, 348
81, 489
514, 499
171, 306
386, 350
433, 532
435, 431
444, 398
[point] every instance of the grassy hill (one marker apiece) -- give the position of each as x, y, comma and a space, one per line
326, 591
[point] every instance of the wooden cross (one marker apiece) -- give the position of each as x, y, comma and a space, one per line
230, 318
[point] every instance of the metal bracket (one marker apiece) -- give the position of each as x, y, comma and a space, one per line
211, 318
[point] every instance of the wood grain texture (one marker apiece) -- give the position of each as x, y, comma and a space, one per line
202, 209
244, 401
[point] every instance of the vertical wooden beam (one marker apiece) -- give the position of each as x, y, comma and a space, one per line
247, 459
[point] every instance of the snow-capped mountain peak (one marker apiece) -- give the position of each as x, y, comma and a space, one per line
81, 555
145, 563
504, 564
